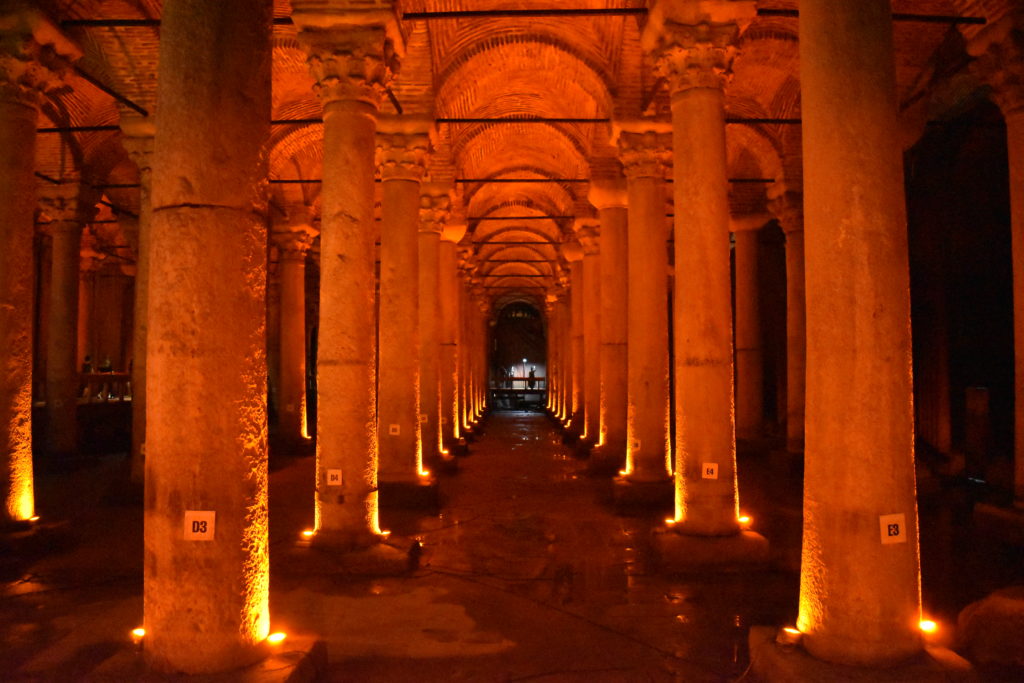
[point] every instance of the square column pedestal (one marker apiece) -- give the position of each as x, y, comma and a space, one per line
776, 656
630, 494
679, 552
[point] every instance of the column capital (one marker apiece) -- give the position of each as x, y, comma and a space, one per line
999, 52
748, 222
137, 135
353, 51
90, 258
402, 154
292, 245
693, 42
607, 184
572, 251
787, 205
456, 226
645, 154
588, 232
64, 207
435, 207
34, 54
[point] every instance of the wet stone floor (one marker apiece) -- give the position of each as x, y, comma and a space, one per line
527, 574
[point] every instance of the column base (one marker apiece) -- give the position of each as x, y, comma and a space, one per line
989, 630
299, 659
444, 463
423, 494
607, 459
681, 552
1003, 523
395, 558
777, 663
570, 435
582, 448
630, 494
458, 447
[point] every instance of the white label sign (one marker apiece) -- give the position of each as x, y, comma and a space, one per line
709, 470
200, 525
334, 477
394, 430
423, 418
634, 445
893, 528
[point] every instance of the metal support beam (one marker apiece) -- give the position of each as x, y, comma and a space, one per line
896, 16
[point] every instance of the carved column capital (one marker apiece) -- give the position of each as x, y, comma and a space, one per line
348, 62
34, 55
137, 135
572, 251
693, 42
64, 207
645, 154
1000, 62
607, 184
435, 207
293, 234
588, 232
402, 156
787, 205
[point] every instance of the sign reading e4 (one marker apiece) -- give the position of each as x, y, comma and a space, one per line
709, 470
200, 525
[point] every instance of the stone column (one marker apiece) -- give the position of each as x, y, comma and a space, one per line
293, 241
860, 593
572, 252
694, 53
999, 49
206, 537
351, 59
88, 263
608, 195
645, 152
402, 152
448, 301
788, 208
589, 233
435, 205
746, 231
563, 354
33, 54
66, 210
137, 139
464, 347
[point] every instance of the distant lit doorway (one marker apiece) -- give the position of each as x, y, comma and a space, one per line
518, 359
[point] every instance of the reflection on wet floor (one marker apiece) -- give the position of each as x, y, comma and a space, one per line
527, 574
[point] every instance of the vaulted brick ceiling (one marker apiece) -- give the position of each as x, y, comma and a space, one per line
494, 67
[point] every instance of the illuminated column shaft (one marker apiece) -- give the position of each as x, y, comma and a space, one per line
578, 390
592, 292
564, 356
693, 58
206, 422
434, 208
401, 157
137, 138
448, 302
292, 249
788, 207
859, 591
749, 355
22, 78
644, 156
609, 196
61, 204
350, 87
465, 353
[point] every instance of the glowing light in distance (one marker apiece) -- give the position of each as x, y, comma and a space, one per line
277, 637
308, 533
34, 518
424, 473
791, 631
744, 520
928, 626
385, 533
139, 632
670, 521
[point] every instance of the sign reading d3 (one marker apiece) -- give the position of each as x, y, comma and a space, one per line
200, 525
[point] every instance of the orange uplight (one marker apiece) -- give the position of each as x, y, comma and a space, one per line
137, 635
34, 518
669, 521
788, 636
308, 533
277, 637
744, 520
386, 532
928, 626
424, 473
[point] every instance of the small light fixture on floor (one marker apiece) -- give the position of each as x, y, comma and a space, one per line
137, 635
928, 626
308, 533
276, 637
788, 636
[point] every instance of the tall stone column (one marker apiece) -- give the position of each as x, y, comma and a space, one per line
694, 53
589, 231
645, 152
402, 154
89, 262
206, 537
66, 210
435, 206
788, 208
1000, 61
572, 252
33, 54
608, 195
448, 303
137, 138
351, 60
746, 231
293, 240
564, 354
860, 593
